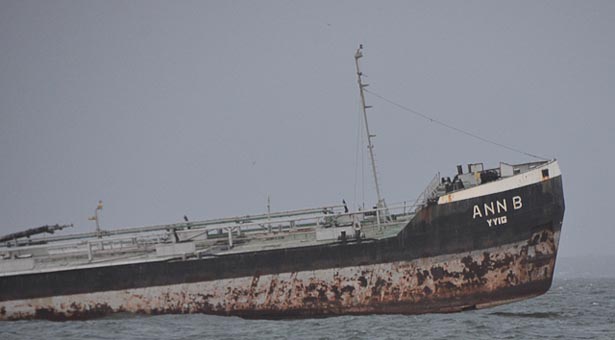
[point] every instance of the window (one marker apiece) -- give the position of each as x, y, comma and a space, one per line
545, 173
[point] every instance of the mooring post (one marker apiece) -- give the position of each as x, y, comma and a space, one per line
230, 237
90, 257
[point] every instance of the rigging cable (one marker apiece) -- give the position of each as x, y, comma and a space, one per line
433, 120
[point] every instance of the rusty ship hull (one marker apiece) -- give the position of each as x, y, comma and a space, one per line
467, 249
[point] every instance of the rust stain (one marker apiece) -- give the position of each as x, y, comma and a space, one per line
423, 285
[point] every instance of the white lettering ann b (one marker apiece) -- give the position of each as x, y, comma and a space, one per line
476, 212
517, 204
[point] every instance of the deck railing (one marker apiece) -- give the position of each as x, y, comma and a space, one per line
143, 240
428, 193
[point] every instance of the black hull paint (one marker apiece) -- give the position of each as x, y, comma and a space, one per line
437, 230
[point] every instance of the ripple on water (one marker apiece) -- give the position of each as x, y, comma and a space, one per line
537, 315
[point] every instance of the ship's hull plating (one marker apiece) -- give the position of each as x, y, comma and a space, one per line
450, 257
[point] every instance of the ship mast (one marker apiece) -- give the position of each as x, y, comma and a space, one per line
358, 55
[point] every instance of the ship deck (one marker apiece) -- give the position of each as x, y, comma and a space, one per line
201, 239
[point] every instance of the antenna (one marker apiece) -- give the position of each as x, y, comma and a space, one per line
269, 213
358, 55
96, 218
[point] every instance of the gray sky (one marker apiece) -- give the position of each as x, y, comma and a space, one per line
204, 108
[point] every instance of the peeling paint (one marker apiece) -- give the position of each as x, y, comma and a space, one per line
444, 283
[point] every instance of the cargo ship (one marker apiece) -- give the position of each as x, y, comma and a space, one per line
486, 237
